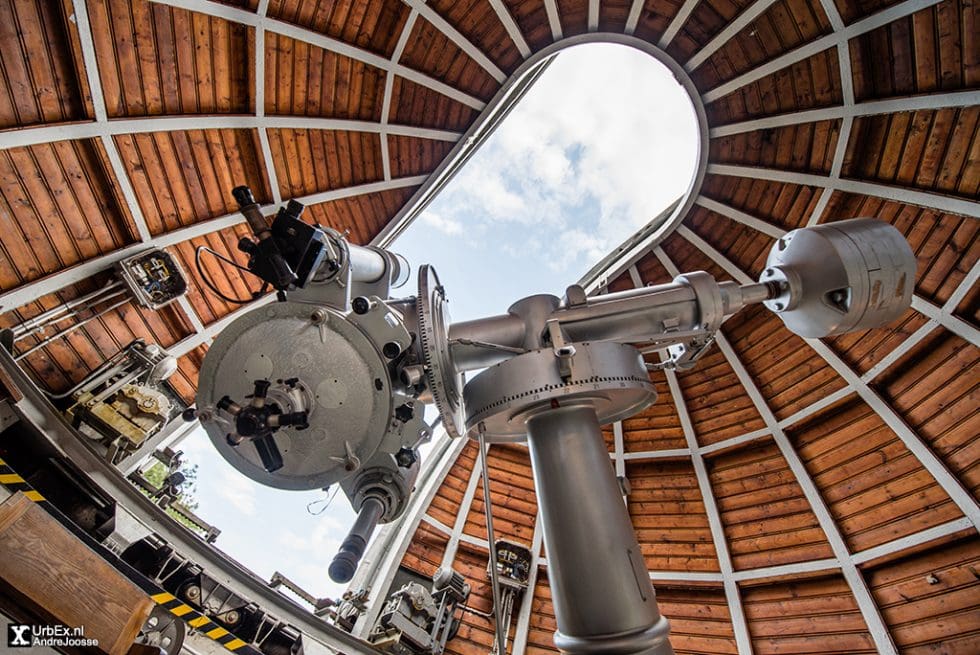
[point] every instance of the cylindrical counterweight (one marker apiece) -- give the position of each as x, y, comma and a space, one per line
604, 602
346, 560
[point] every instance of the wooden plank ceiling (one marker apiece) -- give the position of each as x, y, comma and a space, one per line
835, 482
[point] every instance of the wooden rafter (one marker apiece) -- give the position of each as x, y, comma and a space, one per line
939, 471
218, 10
807, 50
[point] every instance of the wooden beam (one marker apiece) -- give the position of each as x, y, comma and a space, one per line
815, 407
833, 15
551, 8
936, 467
267, 160
869, 610
924, 102
188, 309
672, 453
634, 16
396, 56
733, 27
906, 195
847, 123
944, 316
361, 189
461, 42
738, 274
30, 136
527, 602
910, 541
868, 24
686, 576
740, 216
513, 31
635, 277
227, 12
619, 450
740, 626
748, 437
795, 569
676, 23
464, 509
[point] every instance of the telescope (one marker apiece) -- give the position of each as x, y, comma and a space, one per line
328, 386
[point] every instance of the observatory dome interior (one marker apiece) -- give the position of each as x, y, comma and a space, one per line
789, 494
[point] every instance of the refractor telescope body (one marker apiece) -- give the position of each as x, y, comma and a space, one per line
337, 373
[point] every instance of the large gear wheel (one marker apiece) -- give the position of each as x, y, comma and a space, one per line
443, 380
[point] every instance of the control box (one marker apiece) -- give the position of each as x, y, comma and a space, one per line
154, 277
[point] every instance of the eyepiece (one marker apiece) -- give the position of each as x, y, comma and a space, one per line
345, 562
243, 196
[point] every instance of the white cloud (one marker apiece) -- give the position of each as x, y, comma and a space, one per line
598, 147
238, 490
446, 225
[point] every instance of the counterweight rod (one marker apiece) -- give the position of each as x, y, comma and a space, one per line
494, 582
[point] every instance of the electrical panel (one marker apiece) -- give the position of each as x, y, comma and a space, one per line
154, 277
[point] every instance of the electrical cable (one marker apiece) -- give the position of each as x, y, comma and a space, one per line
327, 501
214, 289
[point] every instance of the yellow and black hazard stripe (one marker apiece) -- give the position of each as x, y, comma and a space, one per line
197, 621
201, 623
13, 482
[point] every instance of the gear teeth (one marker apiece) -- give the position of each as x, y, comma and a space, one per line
428, 297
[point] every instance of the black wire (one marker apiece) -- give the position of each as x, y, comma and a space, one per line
214, 289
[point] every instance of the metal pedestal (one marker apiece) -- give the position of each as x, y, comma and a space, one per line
604, 602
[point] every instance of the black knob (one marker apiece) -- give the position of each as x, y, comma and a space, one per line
360, 305
189, 414
406, 457
261, 388
297, 419
246, 245
294, 209
243, 196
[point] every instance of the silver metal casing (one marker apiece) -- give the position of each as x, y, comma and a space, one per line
351, 398
841, 277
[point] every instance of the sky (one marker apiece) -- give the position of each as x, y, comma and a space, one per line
601, 144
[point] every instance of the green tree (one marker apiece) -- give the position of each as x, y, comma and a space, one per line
156, 475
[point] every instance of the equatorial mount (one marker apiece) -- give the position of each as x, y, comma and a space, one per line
337, 373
